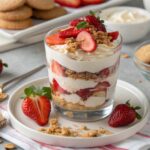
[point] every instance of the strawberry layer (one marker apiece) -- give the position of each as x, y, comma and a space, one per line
103, 57
93, 101
72, 85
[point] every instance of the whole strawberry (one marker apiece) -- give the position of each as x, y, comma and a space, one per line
2, 65
123, 114
36, 104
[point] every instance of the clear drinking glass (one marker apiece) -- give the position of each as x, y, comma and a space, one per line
83, 90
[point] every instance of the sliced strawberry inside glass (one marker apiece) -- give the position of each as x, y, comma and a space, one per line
57, 88
84, 93
57, 68
102, 86
104, 73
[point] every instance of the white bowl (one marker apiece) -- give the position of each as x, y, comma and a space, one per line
130, 32
147, 4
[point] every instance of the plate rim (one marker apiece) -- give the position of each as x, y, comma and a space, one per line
145, 116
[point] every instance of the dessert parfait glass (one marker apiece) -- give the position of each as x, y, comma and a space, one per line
83, 84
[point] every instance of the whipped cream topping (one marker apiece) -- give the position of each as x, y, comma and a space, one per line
126, 16
93, 65
102, 51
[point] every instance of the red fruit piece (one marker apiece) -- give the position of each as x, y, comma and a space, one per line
88, 2
104, 73
2, 65
102, 86
122, 115
114, 35
94, 21
54, 39
57, 68
57, 88
75, 22
71, 32
84, 93
69, 3
88, 43
36, 106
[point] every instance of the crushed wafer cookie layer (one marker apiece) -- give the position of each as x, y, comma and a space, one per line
79, 105
60, 70
56, 129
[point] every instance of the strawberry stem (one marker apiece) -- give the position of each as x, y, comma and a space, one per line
138, 116
5, 65
34, 91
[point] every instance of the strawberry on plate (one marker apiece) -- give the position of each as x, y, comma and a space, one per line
54, 39
123, 114
69, 3
36, 104
2, 65
87, 42
88, 2
57, 68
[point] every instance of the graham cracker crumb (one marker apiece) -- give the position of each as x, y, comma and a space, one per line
124, 55
56, 129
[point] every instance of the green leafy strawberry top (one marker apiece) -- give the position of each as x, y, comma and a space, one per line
34, 91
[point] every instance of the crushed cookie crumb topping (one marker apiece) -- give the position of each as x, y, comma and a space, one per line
56, 129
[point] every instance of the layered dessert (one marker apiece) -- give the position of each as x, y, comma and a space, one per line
83, 59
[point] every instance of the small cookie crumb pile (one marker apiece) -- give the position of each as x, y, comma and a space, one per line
56, 129
124, 55
3, 121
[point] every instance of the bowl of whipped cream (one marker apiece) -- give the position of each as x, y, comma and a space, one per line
132, 22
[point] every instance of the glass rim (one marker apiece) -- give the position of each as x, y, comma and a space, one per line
61, 27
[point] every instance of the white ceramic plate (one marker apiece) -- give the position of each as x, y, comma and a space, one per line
44, 26
124, 91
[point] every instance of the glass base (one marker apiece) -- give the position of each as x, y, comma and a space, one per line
84, 116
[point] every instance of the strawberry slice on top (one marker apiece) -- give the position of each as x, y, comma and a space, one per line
36, 104
55, 39
96, 22
114, 35
87, 42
